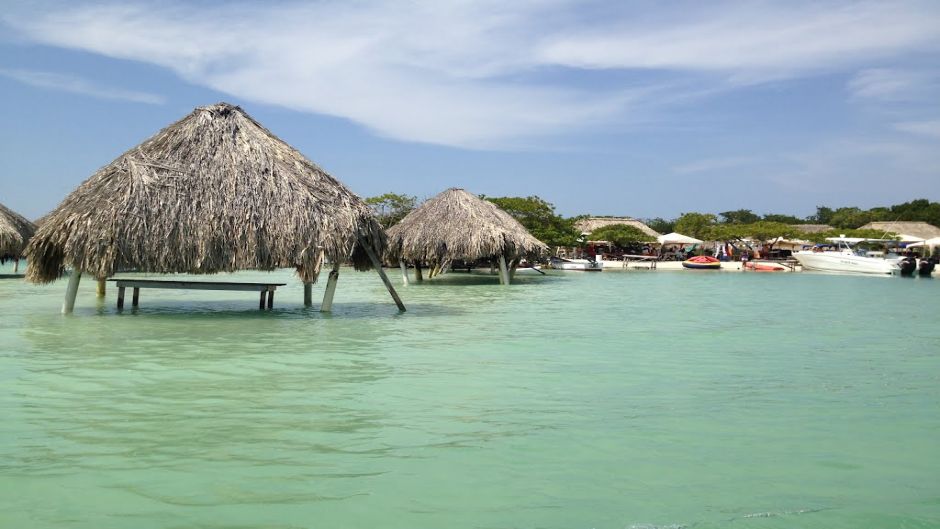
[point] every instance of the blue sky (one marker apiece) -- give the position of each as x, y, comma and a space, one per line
610, 108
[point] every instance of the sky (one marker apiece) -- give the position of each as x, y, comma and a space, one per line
638, 108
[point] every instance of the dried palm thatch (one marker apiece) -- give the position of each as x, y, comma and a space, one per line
457, 225
213, 192
15, 232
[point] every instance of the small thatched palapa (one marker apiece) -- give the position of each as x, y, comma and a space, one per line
457, 225
15, 232
213, 192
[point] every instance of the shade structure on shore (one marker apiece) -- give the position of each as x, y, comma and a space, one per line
677, 238
213, 192
15, 232
457, 225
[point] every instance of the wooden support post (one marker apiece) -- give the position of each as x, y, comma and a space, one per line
71, 291
327, 304
264, 294
512, 269
503, 271
378, 267
120, 303
16, 265
308, 294
135, 301
270, 299
404, 271
102, 287
418, 271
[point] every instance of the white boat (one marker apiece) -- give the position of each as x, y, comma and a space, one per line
583, 265
844, 259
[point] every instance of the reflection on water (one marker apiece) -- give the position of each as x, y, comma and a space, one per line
593, 400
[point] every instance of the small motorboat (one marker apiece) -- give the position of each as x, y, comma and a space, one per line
702, 262
583, 265
764, 266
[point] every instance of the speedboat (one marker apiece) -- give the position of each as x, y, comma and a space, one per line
841, 257
765, 266
583, 265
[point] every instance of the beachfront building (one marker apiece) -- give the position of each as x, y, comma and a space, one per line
15, 232
460, 226
213, 192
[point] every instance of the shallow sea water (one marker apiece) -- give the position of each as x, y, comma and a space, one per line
614, 400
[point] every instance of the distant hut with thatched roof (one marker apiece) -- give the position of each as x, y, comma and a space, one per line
15, 232
213, 192
459, 226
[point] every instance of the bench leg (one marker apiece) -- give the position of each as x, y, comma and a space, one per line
120, 304
264, 294
136, 300
270, 299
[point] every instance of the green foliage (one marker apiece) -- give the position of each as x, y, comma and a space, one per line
538, 216
785, 219
620, 235
739, 216
661, 225
921, 210
758, 231
390, 208
696, 225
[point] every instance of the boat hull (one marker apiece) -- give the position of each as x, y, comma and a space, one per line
845, 263
576, 265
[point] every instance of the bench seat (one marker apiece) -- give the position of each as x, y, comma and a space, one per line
266, 289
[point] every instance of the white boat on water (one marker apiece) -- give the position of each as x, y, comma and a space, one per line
583, 265
845, 259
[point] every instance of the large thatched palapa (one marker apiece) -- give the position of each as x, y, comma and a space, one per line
213, 192
15, 232
457, 225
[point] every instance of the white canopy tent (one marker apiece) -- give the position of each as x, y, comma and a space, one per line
677, 238
930, 243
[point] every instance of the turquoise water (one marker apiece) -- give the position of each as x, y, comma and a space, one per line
612, 400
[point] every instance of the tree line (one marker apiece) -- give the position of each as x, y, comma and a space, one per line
539, 217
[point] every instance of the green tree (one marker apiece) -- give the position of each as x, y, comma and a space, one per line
661, 225
620, 234
849, 218
390, 208
539, 217
696, 225
739, 216
784, 219
823, 215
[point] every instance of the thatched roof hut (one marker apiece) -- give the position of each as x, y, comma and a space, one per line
907, 230
213, 192
457, 225
590, 224
15, 232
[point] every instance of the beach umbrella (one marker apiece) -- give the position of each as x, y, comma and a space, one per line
213, 192
457, 225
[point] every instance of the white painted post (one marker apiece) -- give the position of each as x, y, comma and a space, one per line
71, 291
308, 294
404, 271
327, 304
503, 271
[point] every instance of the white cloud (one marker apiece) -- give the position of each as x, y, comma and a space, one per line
714, 164
78, 85
924, 128
894, 85
484, 73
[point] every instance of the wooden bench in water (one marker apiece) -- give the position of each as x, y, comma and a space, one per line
266, 289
